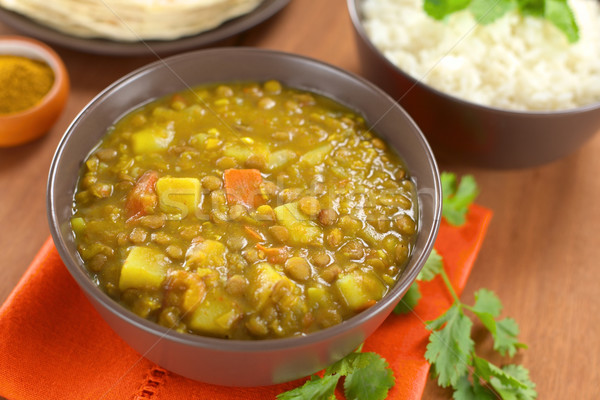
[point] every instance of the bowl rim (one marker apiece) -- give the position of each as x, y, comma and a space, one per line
46, 54
233, 345
357, 23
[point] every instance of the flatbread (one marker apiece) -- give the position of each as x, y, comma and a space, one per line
131, 20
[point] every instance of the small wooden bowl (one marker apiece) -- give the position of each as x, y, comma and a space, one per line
24, 126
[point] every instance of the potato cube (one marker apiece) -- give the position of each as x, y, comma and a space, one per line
302, 230
151, 140
209, 253
216, 315
78, 225
360, 290
318, 297
280, 158
178, 196
144, 268
239, 152
263, 280
317, 155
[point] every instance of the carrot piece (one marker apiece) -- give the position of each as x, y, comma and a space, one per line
242, 186
178, 98
275, 255
263, 248
142, 198
253, 233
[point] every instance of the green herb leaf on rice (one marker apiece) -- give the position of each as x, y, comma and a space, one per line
439, 9
485, 12
560, 14
488, 11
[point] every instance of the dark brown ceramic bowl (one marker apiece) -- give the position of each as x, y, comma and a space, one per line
232, 362
467, 133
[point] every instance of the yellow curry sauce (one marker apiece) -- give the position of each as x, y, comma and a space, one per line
244, 211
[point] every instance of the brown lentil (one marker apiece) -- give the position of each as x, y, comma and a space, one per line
405, 224
174, 251
210, 182
334, 238
138, 235
321, 259
297, 268
328, 216
280, 233
331, 273
309, 205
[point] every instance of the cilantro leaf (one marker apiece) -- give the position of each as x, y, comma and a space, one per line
457, 197
525, 392
505, 339
487, 301
487, 11
432, 267
534, 8
350, 363
439, 9
504, 332
511, 381
314, 389
487, 308
370, 382
409, 300
486, 370
560, 14
367, 375
465, 390
450, 346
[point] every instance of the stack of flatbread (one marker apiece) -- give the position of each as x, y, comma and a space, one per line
131, 20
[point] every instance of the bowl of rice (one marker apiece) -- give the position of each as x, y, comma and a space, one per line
514, 93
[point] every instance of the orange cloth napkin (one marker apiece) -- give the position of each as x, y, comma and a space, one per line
54, 345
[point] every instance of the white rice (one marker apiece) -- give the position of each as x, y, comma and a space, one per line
517, 63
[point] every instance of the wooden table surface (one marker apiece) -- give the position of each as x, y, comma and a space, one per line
541, 256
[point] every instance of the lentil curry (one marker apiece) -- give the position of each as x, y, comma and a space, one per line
244, 211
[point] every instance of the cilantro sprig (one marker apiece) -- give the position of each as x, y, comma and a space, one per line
485, 12
451, 350
366, 377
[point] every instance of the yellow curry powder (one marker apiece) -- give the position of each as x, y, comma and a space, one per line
23, 83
